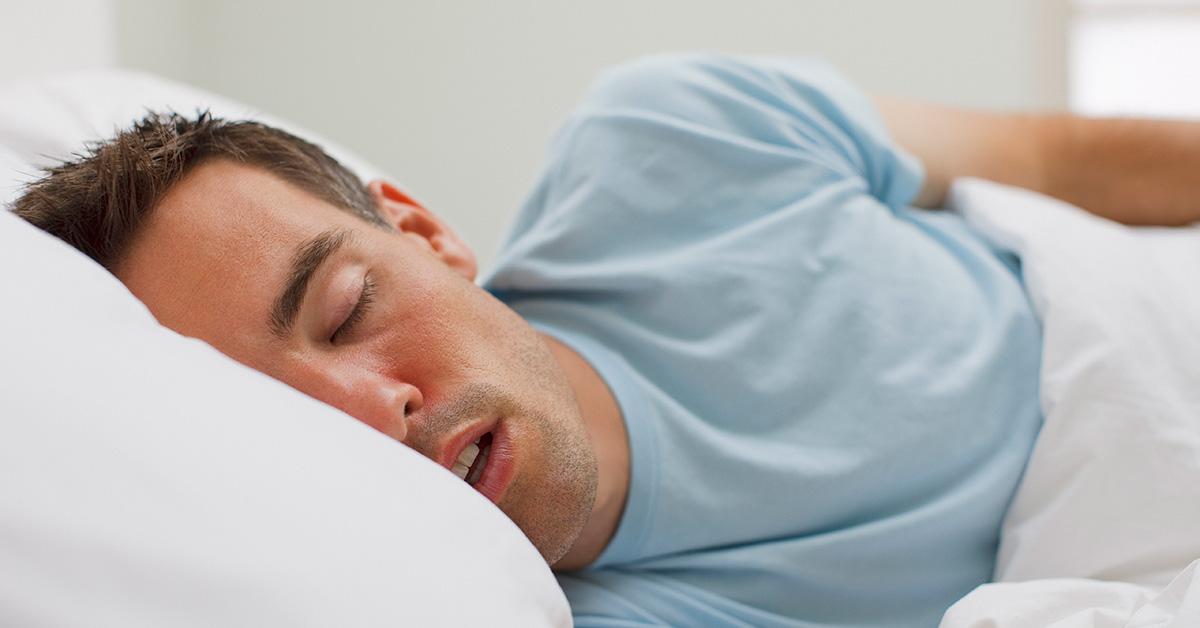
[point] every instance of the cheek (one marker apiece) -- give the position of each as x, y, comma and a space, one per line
428, 334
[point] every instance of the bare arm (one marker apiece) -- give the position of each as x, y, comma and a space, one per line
1139, 172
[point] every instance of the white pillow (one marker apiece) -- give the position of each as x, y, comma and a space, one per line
1112, 491
148, 480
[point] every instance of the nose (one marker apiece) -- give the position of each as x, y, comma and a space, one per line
386, 406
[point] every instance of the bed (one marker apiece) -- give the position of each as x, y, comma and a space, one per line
145, 479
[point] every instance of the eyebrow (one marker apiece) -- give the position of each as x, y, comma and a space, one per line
305, 263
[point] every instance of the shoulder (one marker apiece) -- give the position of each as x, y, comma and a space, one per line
673, 131
793, 104
681, 83
799, 105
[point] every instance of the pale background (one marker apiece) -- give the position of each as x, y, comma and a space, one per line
458, 98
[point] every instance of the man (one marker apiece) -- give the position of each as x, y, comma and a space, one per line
723, 372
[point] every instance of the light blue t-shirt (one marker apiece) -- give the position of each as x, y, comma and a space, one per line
830, 396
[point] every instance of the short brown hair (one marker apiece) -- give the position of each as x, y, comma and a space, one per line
97, 200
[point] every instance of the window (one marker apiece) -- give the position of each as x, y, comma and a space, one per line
1135, 57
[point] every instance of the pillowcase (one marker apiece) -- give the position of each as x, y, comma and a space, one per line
1112, 491
148, 480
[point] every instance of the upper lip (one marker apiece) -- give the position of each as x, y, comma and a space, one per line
455, 445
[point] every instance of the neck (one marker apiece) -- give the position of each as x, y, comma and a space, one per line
606, 430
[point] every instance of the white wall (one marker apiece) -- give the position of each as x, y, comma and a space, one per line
55, 35
458, 98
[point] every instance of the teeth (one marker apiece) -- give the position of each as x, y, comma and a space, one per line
462, 466
461, 470
473, 478
467, 457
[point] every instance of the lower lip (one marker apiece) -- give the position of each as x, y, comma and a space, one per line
497, 475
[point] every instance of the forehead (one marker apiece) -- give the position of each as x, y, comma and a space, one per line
218, 247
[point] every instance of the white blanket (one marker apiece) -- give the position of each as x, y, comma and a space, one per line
1105, 528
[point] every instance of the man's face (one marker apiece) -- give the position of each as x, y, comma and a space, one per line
385, 325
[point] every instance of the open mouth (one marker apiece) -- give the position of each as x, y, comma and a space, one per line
473, 459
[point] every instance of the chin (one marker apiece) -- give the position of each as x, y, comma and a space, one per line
554, 512
560, 526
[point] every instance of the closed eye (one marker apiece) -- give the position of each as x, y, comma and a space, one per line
365, 298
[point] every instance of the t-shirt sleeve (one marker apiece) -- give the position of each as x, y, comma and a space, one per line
679, 151
726, 114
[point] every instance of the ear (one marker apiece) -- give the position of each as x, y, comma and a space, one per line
410, 217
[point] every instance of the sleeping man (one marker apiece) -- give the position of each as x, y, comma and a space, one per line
724, 372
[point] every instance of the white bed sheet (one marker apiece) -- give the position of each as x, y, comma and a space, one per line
1105, 527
